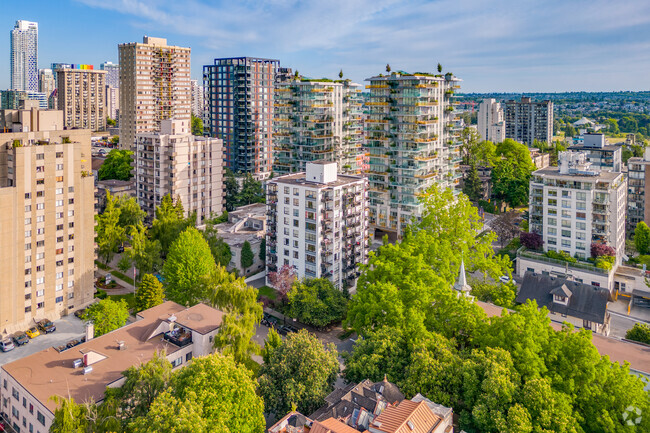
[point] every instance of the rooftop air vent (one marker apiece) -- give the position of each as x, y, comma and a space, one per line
410, 424
88, 370
77, 363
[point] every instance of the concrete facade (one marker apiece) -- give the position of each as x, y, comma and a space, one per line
317, 121
30, 119
47, 233
318, 223
638, 191
81, 97
527, 121
412, 141
175, 162
154, 86
491, 124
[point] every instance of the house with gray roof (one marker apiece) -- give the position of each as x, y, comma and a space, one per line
582, 305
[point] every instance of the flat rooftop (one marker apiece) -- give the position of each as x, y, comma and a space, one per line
608, 176
50, 372
299, 179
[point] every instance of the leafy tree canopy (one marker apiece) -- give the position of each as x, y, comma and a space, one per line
316, 302
107, 315
117, 165
149, 293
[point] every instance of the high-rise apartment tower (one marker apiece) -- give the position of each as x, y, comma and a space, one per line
239, 104
527, 121
24, 56
154, 86
81, 97
412, 140
491, 126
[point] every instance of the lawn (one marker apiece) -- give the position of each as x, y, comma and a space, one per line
267, 291
129, 298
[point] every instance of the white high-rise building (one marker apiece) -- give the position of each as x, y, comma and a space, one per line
318, 223
112, 73
46, 81
573, 206
196, 90
24, 56
175, 162
491, 126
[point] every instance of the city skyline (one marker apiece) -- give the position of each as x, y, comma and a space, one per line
510, 47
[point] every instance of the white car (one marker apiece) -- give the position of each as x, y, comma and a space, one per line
6, 345
504, 279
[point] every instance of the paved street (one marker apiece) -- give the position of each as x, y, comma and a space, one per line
67, 328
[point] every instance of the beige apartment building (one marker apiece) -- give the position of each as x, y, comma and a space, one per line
46, 226
81, 97
175, 162
154, 86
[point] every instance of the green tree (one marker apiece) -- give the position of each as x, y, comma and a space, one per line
300, 372
107, 315
570, 131
197, 126
232, 189
639, 332
243, 313
189, 261
142, 384
387, 68
251, 191
499, 294
470, 141
272, 342
439, 68
144, 252
341, 74
510, 182
149, 293
223, 391
110, 122
130, 212
247, 256
117, 165
472, 185
169, 222
220, 249
87, 417
262, 253
642, 238
109, 233
169, 414
316, 302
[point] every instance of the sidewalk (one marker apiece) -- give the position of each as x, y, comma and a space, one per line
127, 288
620, 306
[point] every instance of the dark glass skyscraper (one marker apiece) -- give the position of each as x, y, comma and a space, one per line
239, 105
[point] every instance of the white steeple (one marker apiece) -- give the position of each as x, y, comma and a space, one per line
461, 285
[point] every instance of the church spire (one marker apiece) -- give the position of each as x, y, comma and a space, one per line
461, 285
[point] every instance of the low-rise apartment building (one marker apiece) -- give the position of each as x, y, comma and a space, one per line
47, 232
317, 222
177, 163
245, 224
84, 372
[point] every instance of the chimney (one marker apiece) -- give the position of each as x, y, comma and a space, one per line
90, 331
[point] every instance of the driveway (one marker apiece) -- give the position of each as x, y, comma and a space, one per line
67, 328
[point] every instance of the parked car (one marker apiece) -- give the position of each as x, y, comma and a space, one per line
20, 338
79, 313
287, 329
46, 326
33, 332
504, 279
7, 344
268, 320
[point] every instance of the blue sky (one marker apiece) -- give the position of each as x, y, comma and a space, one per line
510, 45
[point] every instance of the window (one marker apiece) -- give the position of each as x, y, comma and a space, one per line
581, 226
552, 221
595, 284
296, 202
58, 299
59, 203
28, 233
40, 231
580, 246
566, 243
40, 305
40, 181
40, 156
40, 218
566, 214
28, 208
28, 195
581, 236
566, 194
295, 254
566, 203
177, 362
566, 224
296, 223
566, 233
24, 402
552, 193
14, 393
581, 205
188, 356
59, 191
40, 417
59, 154
15, 412
28, 309
586, 324
581, 196
552, 241
552, 231
40, 293
581, 215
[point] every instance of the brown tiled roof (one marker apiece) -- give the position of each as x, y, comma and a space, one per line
406, 417
49, 372
331, 425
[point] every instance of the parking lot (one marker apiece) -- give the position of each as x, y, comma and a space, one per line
67, 328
